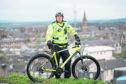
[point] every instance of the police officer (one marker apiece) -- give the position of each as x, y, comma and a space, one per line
57, 33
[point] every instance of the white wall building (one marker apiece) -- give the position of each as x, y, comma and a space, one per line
99, 52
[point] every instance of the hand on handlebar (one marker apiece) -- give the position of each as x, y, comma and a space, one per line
77, 38
49, 44
77, 43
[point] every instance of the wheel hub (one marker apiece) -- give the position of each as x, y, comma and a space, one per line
84, 67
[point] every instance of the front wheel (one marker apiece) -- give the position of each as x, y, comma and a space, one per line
86, 67
34, 68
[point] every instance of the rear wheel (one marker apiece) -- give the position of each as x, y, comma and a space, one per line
86, 67
34, 68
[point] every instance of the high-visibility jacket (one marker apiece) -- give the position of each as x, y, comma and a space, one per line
58, 32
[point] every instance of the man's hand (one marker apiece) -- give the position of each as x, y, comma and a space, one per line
49, 44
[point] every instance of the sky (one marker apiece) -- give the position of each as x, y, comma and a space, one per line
45, 10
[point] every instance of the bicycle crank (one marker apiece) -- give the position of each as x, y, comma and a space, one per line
59, 71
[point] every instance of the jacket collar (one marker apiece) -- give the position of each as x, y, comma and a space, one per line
60, 24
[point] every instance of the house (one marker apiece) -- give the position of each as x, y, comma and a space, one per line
104, 42
123, 40
13, 43
99, 52
108, 67
118, 72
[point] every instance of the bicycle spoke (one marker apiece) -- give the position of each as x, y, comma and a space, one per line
86, 69
39, 69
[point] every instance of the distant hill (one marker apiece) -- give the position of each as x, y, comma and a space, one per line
108, 20
13, 24
23, 23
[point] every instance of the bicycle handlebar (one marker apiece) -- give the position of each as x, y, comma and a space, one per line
76, 45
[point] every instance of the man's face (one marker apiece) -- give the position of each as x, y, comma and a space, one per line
59, 18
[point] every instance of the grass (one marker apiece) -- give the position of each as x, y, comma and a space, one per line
120, 53
20, 79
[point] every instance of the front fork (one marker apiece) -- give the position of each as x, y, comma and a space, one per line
84, 67
81, 57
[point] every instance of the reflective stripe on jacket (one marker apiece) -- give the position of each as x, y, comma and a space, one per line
58, 34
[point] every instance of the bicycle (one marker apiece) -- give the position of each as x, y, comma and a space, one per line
44, 66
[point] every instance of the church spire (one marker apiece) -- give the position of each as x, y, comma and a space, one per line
84, 18
84, 23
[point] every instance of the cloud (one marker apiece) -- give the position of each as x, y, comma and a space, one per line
46, 9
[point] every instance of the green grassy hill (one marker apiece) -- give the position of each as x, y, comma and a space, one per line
20, 79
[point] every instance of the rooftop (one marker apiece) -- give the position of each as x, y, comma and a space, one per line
98, 42
122, 69
99, 48
112, 64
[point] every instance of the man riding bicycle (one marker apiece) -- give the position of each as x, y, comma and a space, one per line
57, 33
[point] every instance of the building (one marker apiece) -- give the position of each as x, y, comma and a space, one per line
36, 31
123, 40
13, 43
4, 34
84, 23
108, 67
99, 52
104, 42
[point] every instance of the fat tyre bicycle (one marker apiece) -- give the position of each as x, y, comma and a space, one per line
44, 66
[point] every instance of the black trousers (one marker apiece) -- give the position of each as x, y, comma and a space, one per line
64, 55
